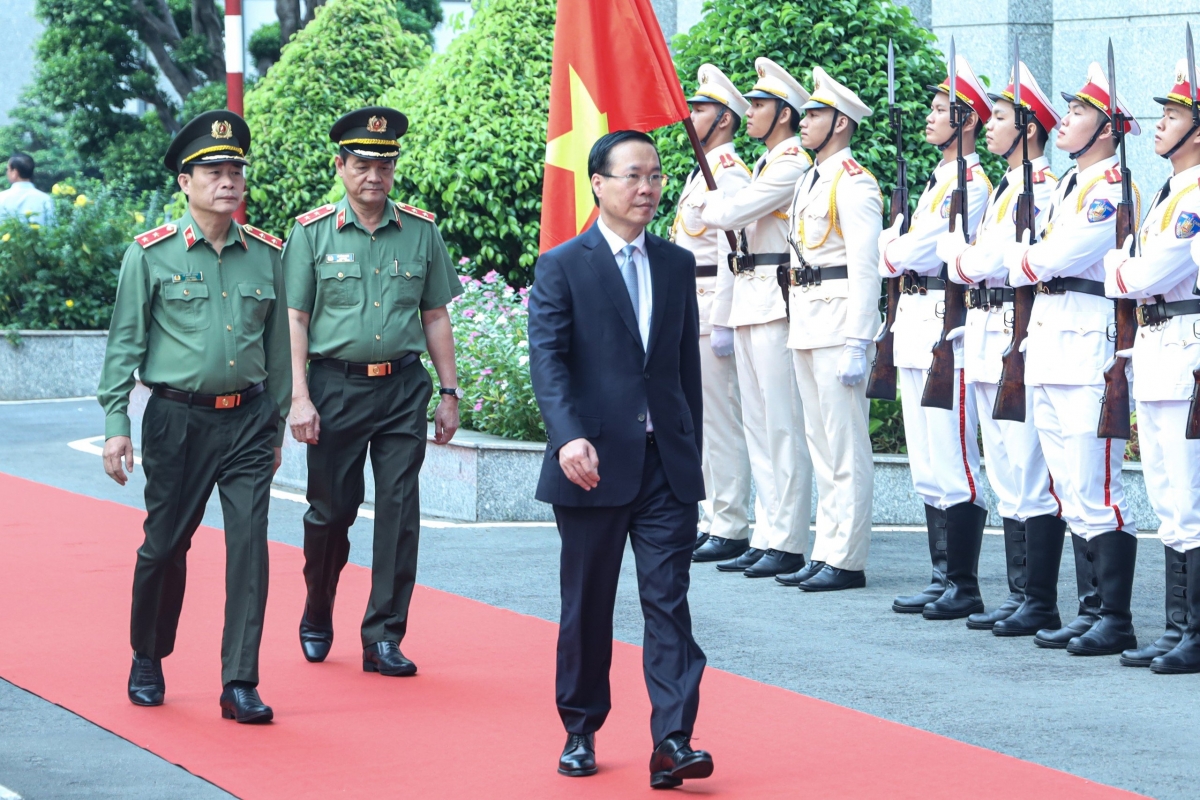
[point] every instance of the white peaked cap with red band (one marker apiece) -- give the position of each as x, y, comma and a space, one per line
1095, 93
1181, 92
828, 93
1032, 97
715, 87
970, 90
775, 83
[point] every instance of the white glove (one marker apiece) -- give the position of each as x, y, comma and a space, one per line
949, 247
1113, 360
1014, 254
721, 341
1113, 260
889, 235
956, 333
852, 366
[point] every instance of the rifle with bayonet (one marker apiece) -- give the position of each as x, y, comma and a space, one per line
1114, 405
1193, 422
1010, 396
882, 385
939, 385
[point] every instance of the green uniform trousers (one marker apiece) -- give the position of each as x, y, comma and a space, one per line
186, 450
388, 414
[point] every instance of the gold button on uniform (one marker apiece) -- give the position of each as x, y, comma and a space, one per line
377, 304
186, 292
258, 291
377, 336
341, 275
231, 363
224, 294
228, 327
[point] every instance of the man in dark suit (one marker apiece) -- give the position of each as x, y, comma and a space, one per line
615, 362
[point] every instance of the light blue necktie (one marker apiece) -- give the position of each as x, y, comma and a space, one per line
630, 275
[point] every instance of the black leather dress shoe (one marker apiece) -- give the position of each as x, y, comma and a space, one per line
718, 548
240, 701
701, 538
775, 562
386, 659
674, 761
146, 683
316, 637
833, 579
578, 759
742, 562
800, 576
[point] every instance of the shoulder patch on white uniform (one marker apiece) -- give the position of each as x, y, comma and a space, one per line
1187, 225
1100, 210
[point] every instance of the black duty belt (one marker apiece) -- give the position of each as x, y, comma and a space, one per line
706, 270
912, 283
748, 263
209, 400
988, 297
377, 370
1064, 285
807, 276
1161, 310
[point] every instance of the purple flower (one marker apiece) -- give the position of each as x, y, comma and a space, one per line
491, 277
489, 294
470, 312
464, 279
479, 405
464, 260
487, 371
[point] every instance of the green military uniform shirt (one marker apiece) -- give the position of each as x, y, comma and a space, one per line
365, 291
198, 322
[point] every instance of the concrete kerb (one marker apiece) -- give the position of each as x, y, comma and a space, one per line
43, 365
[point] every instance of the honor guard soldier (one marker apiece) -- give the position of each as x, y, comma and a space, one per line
771, 408
200, 313
834, 222
942, 448
368, 283
1033, 528
1065, 356
1161, 277
717, 111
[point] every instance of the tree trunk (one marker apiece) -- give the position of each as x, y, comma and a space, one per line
158, 31
288, 12
312, 10
210, 25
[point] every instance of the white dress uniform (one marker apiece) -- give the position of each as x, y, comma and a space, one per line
835, 219
726, 463
771, 408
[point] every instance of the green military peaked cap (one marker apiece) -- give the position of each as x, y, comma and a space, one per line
214, 137
371, 132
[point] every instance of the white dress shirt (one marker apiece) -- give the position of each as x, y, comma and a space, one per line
23, 197
641, 261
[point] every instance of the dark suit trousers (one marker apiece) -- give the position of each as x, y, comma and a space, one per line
662, 531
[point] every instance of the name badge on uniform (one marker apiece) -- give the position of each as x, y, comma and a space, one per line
339, 258
187, 277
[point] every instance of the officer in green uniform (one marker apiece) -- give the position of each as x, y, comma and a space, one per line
200, 314
368, 283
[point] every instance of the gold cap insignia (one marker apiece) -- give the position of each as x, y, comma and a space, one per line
221, 129
377, 125
762, 73
704, 77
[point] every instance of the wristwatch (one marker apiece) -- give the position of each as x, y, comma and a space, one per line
456, 393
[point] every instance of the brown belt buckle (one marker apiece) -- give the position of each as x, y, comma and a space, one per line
228, 401
379, 370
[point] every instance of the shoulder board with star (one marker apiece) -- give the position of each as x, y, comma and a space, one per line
852, 167
157, 235
263, 236
309, 217
421, 213
791, 151
1113, 175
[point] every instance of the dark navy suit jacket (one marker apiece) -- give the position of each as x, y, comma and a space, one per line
594, 380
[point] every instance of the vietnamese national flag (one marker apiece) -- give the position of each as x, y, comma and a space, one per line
612, 71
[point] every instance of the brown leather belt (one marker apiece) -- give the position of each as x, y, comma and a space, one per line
706, 270
220, 401
378, 370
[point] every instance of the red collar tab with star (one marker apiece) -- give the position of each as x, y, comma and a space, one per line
157, 235
189, 236
341, 219
309, 217
852, 167
428, 216
1113, 175
263, 236
1040, 176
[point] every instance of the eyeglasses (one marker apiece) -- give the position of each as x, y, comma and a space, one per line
632, 181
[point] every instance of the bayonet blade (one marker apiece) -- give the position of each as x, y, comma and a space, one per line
1191, 59
891, 74
953, 62
1016, 72
1112, 91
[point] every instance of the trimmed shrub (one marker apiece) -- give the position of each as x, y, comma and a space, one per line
477, 138
344, 59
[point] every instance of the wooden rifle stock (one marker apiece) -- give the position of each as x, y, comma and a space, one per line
1193, 423
1114, 406
939, 385
882, 384
1010, 395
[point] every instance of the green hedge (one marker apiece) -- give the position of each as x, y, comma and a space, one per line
344, 59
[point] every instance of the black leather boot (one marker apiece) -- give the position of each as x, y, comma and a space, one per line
1089, 603
1185, 657
1176, 602
1043, 555
1114, 556
964, 538
1014, 558
935, 528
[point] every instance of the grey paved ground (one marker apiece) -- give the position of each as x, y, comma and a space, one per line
1119, 726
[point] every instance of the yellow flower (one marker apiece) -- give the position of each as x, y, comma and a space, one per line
5, 237
30, 213
34, 225
70, 304
56, 189
68, 190
139, 218
81, 201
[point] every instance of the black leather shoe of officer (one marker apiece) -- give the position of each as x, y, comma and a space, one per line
146, 683
1185, 657
701, 538
386, 659
800, 576
935, 531
718, 548
1089, 603
775, 562
316, 636
240, 701
1113, 555
1176, 606
964, 538
833, 579
578, 759
1043, 551
674, 761
1014, 559
742, 562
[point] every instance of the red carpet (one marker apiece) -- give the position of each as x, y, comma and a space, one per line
478, 722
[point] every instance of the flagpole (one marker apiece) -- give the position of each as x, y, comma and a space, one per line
709, 180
